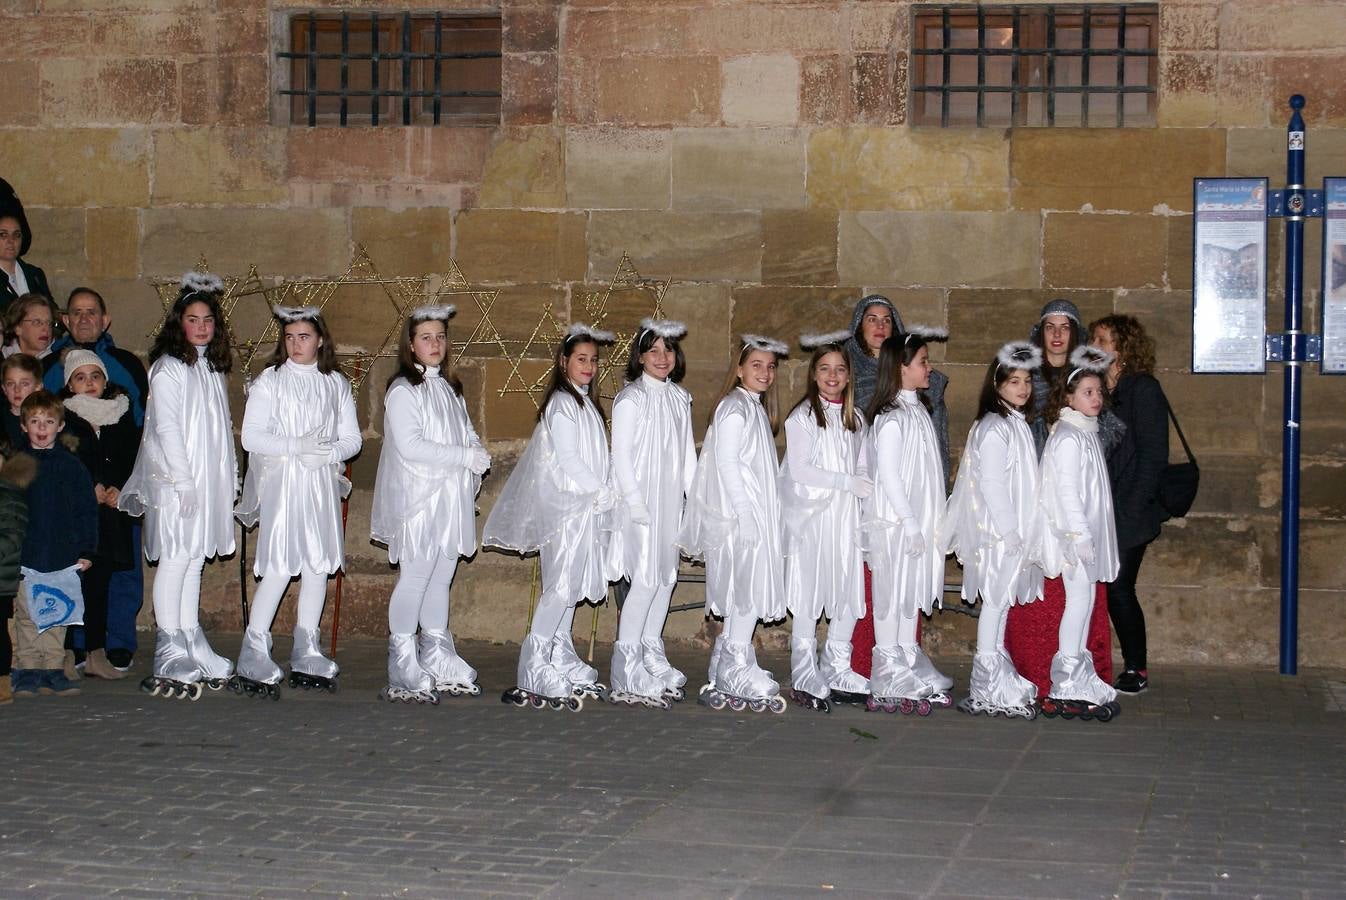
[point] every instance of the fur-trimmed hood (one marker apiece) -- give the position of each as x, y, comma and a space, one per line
19, 471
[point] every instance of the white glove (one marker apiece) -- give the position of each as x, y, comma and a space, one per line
478, 460
316, 457
639, 513
605, 499
188, 503
860, 486
1084, 551
1068, 555
1012, 543
747, 532
912, 537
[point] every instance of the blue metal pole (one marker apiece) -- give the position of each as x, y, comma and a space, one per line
1294, 354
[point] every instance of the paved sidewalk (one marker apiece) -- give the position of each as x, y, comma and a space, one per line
1217, 782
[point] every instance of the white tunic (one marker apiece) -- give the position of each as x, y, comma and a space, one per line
299, 507
824, 565
653, 460
995, 495
736, 477
188, 443
549, 500
424, 495
908, 500
1075, 501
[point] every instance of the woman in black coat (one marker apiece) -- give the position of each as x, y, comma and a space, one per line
1135, 467
17, 277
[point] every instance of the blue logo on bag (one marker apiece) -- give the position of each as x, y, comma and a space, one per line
51, 605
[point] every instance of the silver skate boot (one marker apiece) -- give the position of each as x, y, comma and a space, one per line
741, 684
450, 671
582, 676
632, 683
1077, 692
848, 685
407, 681
541, 684
716, 651
175, 673
257, 674
215, 669
939, 683
656, 662
995, 689
309, 669
808, 688
895, 687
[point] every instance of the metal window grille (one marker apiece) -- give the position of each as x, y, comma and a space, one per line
400, 68
1035, 65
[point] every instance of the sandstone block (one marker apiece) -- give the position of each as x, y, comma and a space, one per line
531, 29
405, 242
510, 415
1219, 413
1322, 490
227, 90
131, 5
516, 314
799, 247
737, 169
610, 169
671, 90
981, 321
448, 154
517, 246
705, 308
875, 94
1241, 83
524, 169
894, 168
1102, 251
78, 166
1189, 83
915, 306
961, 398
1209, 551
1125, 168
877, 26
1312, 77
613, 32
1321, 630
58, 243
767, 27
242, 31
19, 107
686, 246
1167, 317
219, 165
760, 90
112, 242
367, 154
130, 91
50, 34
787, 312
1248, 25
279, 241
168, 33
921, 249
1261, 152
1322, 565
824, 90
530, 89
1323, 411
1178, 268
1189, 27
1230, 485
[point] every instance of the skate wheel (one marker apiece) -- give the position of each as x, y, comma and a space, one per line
737, 704
555, 703
273, 692
215, 684
1103, 714
675, 695
942, 700
332, 686
777, 705
537, 702
757, 705
575, 704
907, 706
716, 700
923, 708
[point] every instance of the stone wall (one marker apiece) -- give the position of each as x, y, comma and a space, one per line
757, 153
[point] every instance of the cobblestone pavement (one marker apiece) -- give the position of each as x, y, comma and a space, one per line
1217, 782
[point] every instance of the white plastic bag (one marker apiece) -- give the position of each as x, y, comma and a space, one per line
54, 598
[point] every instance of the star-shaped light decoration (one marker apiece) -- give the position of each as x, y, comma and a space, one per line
235, 289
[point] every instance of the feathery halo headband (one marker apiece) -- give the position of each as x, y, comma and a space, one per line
764, 343
814, 341
201, 282
582, 329
1089, 360
289, 314
926, 333
664, 328
439, 313
1020, 355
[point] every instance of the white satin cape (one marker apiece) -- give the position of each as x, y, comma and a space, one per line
1075, 501
189, 442
299, 508
824, 565
995, 493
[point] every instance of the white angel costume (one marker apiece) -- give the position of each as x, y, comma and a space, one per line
987, 523
299, 427
822, 482
557, 502
1074, 536
733, 522
183, 483
424, 511
900, 522
653, 460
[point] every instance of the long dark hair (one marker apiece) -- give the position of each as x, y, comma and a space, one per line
172, 340
642, 344
413, 371
990, 402
814, 399
559, 383
326, 360
896, 352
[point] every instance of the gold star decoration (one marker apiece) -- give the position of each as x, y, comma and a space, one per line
235, 289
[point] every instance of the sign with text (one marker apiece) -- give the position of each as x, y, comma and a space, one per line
1229, 275
1334, 277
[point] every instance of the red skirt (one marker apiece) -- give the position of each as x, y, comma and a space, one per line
1032, 632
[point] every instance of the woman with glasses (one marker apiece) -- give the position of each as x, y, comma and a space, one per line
16, 276
29, 324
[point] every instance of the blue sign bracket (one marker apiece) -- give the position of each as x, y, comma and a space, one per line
1290, 203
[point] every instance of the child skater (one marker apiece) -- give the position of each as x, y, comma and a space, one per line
987, 524
733, 521
902, 519
425, 509
184, 480
823, 480
557, 502
1075, 535
298, 428
653, 459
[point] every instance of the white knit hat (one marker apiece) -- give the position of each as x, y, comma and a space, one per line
77, 358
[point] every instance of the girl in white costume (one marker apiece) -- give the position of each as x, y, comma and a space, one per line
424, 509
823, 481
298, 427
733, 521
558, 502
987, 523
653, 459
184, 480
900, 521
1075, 534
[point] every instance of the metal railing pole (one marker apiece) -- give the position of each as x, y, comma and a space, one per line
1294, 355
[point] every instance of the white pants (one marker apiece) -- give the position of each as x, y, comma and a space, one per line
177, 593
422, 595
266, 600
644, 611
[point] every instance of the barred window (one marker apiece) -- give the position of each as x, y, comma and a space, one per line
1066, 65
370, 68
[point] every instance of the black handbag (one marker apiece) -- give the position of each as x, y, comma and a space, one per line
1178, 485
